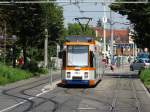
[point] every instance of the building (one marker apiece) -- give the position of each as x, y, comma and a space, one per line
122, 42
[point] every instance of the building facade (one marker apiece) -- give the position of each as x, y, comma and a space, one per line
122, 42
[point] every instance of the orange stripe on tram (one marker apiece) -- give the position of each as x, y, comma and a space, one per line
76, 68
91, 82
79, 43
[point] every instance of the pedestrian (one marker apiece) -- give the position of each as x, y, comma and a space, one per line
112, 66
20, 61
107, 60
129, 59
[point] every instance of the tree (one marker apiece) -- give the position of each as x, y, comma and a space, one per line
75, 29
28, 22
139, 16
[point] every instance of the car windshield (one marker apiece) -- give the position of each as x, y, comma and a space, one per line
147, 61
141, 61
143, 55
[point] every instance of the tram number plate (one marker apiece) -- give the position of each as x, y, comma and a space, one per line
77, 78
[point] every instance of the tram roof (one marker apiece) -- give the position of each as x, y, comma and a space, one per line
79, 39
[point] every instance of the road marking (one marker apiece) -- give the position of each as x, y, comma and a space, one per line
31, 98
24, 101
86, 108
11, 107
41, 93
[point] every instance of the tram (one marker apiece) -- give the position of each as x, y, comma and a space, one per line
81, 61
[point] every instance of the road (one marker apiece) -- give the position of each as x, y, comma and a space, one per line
119, 91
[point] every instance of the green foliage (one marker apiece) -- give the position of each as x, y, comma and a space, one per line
3, 80
43, 70
75, 29
145, 76
8, 74
139, 16
29, 21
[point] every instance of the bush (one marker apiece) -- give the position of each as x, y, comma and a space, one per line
8, 74
3, 80
42, 70
145, 76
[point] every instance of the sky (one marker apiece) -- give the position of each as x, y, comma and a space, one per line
93, 10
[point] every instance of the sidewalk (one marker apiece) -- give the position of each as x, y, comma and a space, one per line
122, 68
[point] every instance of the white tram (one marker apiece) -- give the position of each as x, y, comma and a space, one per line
81, 61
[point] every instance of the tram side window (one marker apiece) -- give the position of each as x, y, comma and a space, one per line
64, 58
91, 59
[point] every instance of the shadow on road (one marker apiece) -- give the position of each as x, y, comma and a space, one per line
121, 75
78, 86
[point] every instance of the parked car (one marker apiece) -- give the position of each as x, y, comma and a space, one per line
139, 64
143, 56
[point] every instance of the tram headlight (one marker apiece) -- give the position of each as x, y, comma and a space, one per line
85, 74
68, 74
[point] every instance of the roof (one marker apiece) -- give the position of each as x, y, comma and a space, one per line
120, 35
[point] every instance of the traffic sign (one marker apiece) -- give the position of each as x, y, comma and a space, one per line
104, 19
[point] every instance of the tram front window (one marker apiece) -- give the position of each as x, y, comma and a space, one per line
77, 56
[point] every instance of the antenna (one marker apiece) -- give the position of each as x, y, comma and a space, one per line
83, 22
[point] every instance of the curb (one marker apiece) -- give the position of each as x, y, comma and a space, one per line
50, 87
146, 90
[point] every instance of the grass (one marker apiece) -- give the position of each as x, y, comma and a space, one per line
145, 77
9, 74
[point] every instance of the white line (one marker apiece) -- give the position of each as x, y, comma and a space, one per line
86, 108
9, 108
24, 101
31, 98
41, 93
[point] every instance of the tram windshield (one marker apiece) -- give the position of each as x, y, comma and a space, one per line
77, 56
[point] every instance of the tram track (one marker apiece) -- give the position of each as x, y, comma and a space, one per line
134, 93
83, 95
137, 101
114, 100
79, 96
26, 97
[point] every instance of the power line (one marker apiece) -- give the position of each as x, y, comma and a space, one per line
72, 1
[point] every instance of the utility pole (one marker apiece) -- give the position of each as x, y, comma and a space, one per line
46, 44
46, 48
112, 40
112, 35
104, 30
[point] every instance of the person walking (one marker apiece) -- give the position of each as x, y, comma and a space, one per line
129, 59
112, 66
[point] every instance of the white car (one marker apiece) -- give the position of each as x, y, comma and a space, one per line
139, 64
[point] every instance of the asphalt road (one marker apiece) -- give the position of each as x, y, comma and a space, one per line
119, 91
